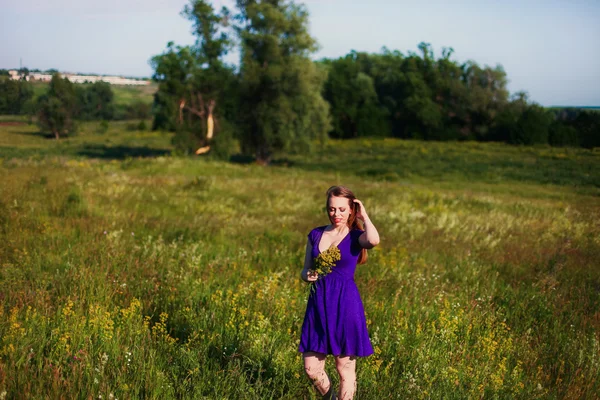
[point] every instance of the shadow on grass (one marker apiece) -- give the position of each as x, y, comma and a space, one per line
283, 162
250, 159
44, 135
120, 152
242, 159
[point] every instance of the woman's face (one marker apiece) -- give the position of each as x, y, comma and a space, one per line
338, 210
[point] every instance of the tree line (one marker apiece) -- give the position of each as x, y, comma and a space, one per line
279, 99
419, 96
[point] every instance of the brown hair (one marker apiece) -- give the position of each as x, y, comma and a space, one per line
353, 222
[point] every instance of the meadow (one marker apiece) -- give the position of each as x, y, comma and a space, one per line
124, 95
130, 272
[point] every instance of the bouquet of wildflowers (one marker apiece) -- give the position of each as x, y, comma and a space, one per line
326, 261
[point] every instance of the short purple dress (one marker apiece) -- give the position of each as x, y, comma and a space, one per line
334, 322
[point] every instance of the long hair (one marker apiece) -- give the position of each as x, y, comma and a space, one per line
353, 222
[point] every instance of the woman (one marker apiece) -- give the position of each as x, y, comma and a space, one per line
334, 322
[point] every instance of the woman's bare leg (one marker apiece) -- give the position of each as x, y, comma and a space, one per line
346, 367
314, 366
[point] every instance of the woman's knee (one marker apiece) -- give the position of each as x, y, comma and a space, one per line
346, 366
314, 367
314, 371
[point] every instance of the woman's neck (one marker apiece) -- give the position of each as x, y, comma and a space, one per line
341, 230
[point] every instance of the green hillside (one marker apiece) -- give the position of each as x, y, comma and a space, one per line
124, 95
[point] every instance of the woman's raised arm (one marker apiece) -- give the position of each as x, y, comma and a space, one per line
370, 238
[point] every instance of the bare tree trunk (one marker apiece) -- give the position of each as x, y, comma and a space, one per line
210, 123
181, 106
199, 108
56, 135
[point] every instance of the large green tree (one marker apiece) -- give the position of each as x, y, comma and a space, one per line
280, 87
196, 87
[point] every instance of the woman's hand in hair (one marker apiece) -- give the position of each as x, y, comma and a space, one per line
360, 210
370, 237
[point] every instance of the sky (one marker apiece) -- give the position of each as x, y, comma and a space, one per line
549, 49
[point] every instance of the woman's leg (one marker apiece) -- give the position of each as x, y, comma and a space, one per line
314, 366
346, 367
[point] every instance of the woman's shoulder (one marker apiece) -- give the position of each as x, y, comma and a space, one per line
316, 231
357, 231
355, 234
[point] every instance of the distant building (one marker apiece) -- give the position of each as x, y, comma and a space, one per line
75, 78
35, 76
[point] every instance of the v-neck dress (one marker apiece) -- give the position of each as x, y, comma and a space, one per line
334, 322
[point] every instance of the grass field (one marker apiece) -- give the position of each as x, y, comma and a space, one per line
124, 94
132, 273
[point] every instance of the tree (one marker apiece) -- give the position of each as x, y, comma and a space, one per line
14, 96
487, 97
57, 107
350, 91
173, 71
95, 101
194, 82
424, 117
280, 87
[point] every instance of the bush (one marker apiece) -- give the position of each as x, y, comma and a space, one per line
532, 127
587, 125
224, 145
138, 110
102, 127
184, 141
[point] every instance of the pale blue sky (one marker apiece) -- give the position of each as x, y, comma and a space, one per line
551, 48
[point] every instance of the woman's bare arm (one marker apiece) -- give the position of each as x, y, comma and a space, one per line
306, 275
370, 237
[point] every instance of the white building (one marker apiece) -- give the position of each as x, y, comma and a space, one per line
113, 80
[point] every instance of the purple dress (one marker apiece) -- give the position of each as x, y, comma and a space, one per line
334, 322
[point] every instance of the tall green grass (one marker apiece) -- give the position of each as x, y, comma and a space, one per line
168, 277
